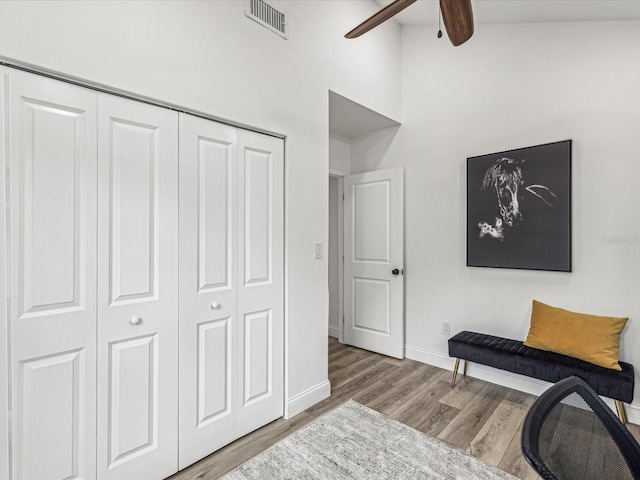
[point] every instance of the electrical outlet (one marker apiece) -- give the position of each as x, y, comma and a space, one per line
446, 328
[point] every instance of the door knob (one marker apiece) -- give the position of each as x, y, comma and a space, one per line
215, 305
395, 271
135, 320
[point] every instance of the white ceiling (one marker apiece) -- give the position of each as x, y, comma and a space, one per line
351, 120
425, 12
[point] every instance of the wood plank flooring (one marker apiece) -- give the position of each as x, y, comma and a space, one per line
477, 417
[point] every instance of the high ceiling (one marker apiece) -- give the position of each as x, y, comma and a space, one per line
425, 12
351, 120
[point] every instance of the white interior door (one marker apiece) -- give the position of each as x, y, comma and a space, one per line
208, 287
137, 290
53, 277
373, 268
260, 279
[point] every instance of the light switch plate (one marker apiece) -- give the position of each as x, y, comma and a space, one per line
446, 328
318, 249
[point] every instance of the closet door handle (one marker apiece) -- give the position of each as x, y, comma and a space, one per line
135, 320
215, 306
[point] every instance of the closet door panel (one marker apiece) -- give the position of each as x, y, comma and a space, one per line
260, 288
134, 165
133, 398
208, 287
50, 421
258, 358
258, 220
137, 290
51, 269
52, 175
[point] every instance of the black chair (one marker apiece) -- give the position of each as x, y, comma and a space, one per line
570, 433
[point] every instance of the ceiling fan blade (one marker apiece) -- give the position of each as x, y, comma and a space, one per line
457, 16
382, 16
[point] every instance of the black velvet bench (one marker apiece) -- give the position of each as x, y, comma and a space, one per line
513, 356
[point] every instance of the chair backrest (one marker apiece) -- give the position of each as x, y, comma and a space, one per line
570, 433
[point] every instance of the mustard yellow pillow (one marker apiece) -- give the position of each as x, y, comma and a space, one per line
591, 338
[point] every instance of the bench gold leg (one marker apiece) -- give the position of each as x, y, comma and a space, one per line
622, 413
455, 372
464, 369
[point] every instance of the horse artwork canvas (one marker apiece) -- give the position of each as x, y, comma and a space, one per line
519, 208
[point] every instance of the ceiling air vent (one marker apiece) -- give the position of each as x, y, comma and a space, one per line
266, 15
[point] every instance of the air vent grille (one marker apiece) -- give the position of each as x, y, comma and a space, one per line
269, 17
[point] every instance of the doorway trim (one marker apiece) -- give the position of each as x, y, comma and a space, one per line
339, 175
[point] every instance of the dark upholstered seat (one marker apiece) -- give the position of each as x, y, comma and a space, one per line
514, 356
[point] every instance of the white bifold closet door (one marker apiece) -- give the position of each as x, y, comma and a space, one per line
137, 290
231, 284
139, 340
53, 277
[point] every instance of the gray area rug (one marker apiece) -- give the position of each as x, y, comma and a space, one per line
355, 442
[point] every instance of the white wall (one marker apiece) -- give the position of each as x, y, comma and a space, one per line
339, 153
207, 55
514, 86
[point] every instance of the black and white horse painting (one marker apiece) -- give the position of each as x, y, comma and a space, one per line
518, 208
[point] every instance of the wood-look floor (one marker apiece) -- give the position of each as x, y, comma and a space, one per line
477, 417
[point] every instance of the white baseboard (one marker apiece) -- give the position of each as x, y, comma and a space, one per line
333, 331
307, 399
500, 377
